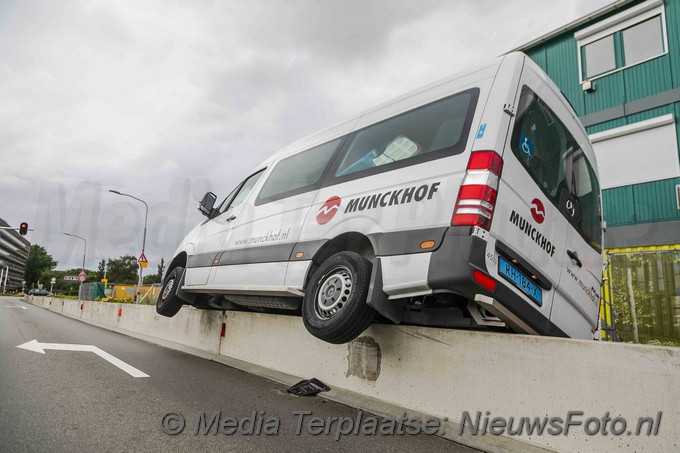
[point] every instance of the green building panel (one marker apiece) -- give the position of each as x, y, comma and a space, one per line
601, 127
676, 108
641, 203
558, 56
562, 66
618, 206
538, 55
655, 201
647, 79
673, 28
649, 114
610, 91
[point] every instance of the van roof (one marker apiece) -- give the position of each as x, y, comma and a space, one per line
480, 71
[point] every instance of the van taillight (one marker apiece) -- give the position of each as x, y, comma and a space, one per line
484, 280
477, 195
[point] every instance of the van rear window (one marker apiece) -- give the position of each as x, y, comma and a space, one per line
554, 159
422, 134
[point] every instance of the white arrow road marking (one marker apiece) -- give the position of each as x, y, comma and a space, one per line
34, 346
14, 306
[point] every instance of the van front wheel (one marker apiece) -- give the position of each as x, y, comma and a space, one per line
168, 304
334, 308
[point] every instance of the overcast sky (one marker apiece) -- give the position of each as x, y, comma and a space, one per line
165, 100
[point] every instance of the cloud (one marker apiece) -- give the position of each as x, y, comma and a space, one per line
168, 99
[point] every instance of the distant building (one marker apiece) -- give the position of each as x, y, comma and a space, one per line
13, 254
620, 69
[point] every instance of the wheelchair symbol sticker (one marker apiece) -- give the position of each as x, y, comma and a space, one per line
526, 145
482, 129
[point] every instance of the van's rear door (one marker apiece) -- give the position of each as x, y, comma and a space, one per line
529, 229
582, 263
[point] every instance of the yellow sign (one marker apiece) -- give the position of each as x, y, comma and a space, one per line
105, 282
143, 262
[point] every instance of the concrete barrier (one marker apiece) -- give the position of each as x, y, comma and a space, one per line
198, 329
101, 313
71, 308
444, 373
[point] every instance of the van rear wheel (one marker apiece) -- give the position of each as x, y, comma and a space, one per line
168, 303
334, 308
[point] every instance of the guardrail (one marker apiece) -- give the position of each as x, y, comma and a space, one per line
465, 378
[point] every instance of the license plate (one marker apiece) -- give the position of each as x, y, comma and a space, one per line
512, 274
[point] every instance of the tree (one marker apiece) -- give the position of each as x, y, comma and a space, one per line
155, 278
151, 279
61, 286
100, 269
123, 270
161, 268
38, 262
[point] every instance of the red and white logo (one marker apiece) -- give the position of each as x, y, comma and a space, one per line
537, 210
328, 210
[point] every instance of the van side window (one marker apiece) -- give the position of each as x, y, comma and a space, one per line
441, 125
554, 159
299, 172
239, 195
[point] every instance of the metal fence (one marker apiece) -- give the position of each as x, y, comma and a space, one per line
97, 291
643, 286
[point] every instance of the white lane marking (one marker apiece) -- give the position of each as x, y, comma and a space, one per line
35, 346
14, 306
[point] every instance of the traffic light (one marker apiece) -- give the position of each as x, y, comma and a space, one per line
23, 228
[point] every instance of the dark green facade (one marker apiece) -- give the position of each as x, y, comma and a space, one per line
644, 91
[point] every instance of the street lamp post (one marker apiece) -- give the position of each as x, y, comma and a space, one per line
3, 275
4, 282
105, 281
146, 216
84, 253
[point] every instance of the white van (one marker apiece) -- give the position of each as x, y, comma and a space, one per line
473, 201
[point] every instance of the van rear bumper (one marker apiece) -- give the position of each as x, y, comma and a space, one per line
451, 267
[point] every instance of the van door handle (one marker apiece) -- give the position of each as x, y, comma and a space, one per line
574, 257
229, 219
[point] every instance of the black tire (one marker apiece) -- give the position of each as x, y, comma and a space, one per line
168, 304
334, 308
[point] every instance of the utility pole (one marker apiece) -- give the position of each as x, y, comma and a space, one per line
82, 272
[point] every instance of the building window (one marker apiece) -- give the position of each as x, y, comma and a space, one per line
631, 37
600, 56
643, 41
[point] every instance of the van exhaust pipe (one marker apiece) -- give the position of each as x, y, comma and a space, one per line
494, 307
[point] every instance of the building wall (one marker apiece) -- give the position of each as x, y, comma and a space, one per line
641, 92
13, 253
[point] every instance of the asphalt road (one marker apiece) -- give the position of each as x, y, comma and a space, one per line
76, 401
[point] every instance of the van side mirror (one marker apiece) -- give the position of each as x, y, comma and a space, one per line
207, 203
